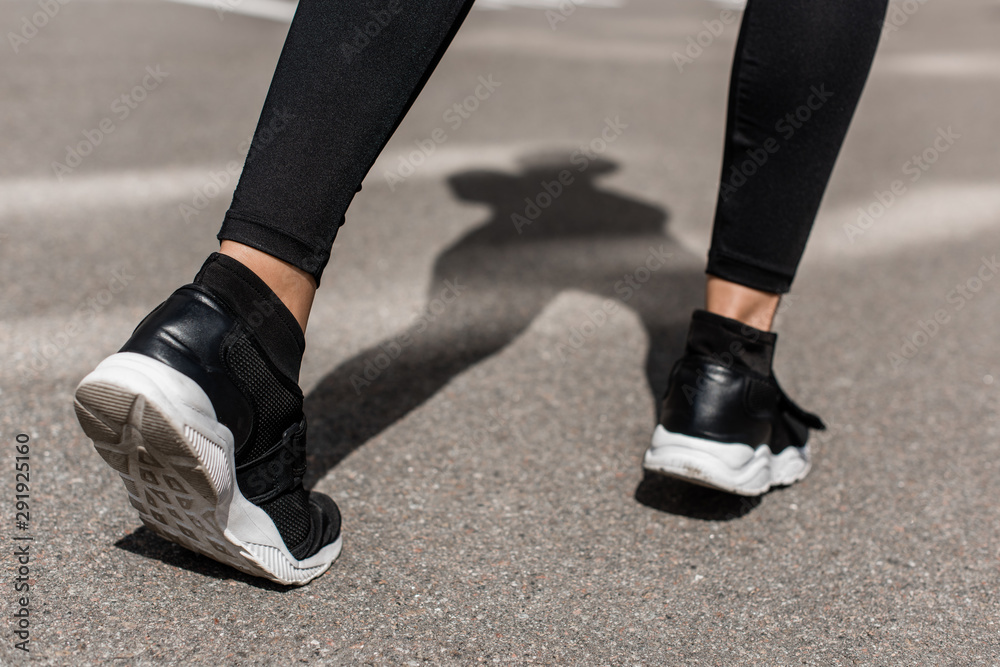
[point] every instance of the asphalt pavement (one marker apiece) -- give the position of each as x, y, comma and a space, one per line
495, 510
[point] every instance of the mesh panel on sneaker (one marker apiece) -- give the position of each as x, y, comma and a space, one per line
290, 513
275, 407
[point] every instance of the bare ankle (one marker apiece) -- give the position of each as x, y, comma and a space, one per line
743, 304
294, 287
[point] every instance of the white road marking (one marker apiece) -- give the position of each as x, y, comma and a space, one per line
284, 10
947, 65
545, 4
928, 216
275, 10
951, 65
28, 198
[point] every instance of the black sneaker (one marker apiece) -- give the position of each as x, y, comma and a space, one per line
201, 415
725, 422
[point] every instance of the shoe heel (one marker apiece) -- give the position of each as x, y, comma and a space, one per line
176, 478
123, 406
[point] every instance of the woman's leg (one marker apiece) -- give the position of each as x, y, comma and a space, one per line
348, 73
798, 73
799, 70
200, 412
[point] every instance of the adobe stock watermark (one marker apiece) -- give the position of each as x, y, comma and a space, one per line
223, 7
31, 25
565, 8
629, 285
697, 44
581, 158
24, 557
899, 14
47, 348
914, 168
390, 350
455, 116
217, 182
741, 171
958, 298
121, 108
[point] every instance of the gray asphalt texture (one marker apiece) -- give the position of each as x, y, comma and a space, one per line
495, 510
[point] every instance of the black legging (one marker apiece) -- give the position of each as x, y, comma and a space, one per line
350, 69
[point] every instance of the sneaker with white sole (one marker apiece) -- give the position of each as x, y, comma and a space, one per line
201, 415
725, 422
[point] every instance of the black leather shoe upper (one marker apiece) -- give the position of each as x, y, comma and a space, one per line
706, 399
188, 332
723, 388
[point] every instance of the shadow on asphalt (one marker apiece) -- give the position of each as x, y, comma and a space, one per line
676, 496
551, 228
144, 542
486, 290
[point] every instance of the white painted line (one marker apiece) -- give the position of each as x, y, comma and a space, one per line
928, 215
28, 198
495, 5
950, 65
274, 10
922, 219
731, 5
284, 10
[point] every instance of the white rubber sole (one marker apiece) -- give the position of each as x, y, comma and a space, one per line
732, 467
157, 429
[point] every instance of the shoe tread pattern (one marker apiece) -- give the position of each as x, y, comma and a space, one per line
175, 493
